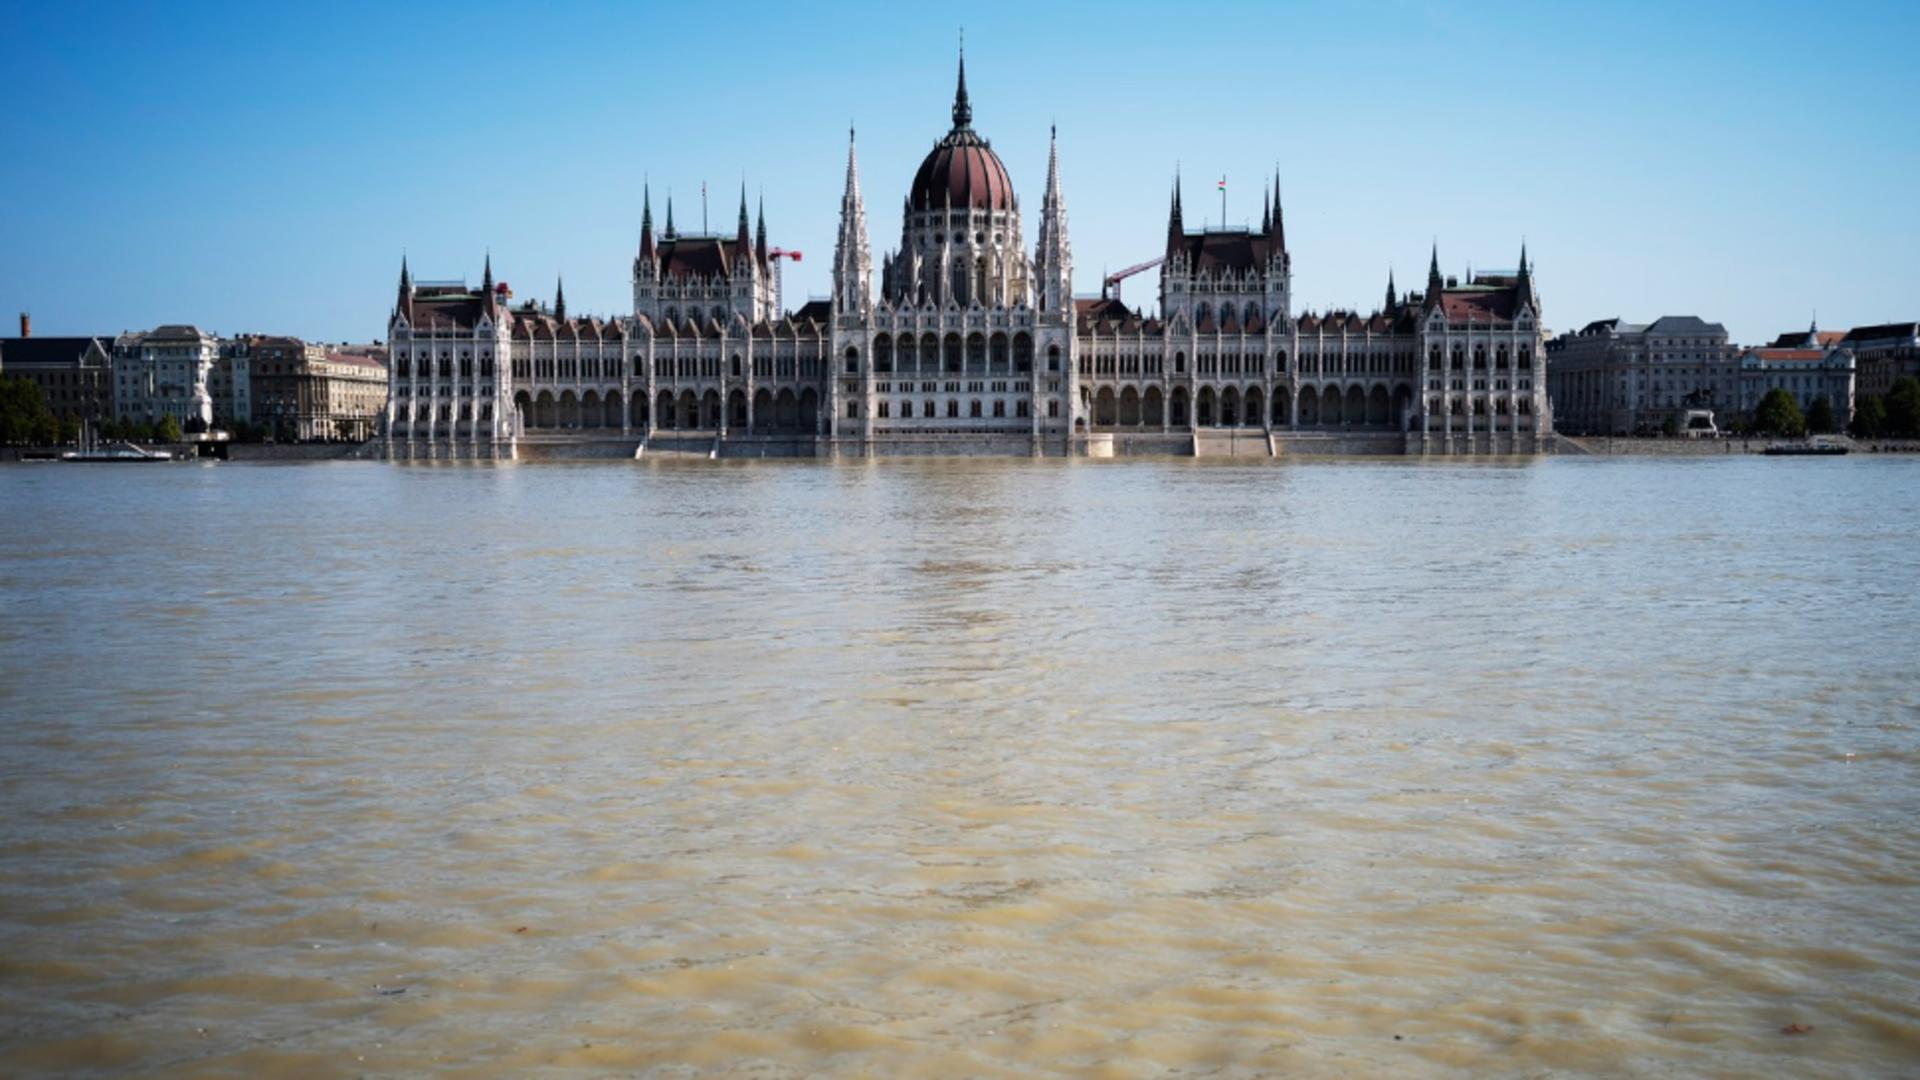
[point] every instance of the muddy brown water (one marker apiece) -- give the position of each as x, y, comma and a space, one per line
995, 768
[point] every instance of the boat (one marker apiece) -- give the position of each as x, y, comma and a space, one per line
125, 451
1810, 448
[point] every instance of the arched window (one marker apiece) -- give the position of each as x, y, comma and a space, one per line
1179, 363
736, 365
853, 363
1053, 358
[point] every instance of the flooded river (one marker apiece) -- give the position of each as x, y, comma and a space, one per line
962, 768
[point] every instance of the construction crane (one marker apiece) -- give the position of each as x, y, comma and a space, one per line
1111, 286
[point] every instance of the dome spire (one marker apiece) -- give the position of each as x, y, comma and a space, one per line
962, 111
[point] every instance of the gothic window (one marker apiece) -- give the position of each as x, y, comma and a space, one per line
736, 365
953, 410
1053, 358
928, 411
853, 360
906, 410
1179, 363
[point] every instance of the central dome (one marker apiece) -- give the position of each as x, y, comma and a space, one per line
961, 171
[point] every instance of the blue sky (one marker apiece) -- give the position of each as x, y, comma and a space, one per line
260, 167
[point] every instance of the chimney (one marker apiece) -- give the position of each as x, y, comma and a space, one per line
26, 325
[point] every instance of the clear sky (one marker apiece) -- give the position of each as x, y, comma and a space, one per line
256, 167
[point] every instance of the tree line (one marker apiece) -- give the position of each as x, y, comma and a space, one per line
1892, 415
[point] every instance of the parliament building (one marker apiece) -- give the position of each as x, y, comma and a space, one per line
966, 341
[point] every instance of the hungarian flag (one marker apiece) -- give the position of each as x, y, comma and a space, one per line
1223, 183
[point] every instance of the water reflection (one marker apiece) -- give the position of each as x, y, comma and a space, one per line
961, 768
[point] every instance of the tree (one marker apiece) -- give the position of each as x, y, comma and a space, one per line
1820, 418
1869, 418
167, 429
24, 417
1903, 407
69, 430
1779, 414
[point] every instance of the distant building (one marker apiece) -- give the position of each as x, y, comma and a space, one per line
166, 372
1619, 378
74, 373
311, 391
1882, 354
1807, 374
1811, 338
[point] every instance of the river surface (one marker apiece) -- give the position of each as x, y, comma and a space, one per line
958, 768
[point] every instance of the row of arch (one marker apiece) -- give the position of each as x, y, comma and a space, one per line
771, 413
977, 352
1355, 407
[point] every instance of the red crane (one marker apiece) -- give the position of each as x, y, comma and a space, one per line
1114, 279
782, 253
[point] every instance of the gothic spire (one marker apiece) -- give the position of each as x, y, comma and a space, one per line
1279, 215
670, 234
1266, 213
962, 111
559, 298
1055, 256
486, 286
743, 238
760, 232
646, 222
405, 304
1176, 229
852, 261
1393, 298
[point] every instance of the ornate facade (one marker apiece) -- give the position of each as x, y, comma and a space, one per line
970, 341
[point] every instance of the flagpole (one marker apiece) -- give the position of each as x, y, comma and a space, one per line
1223, 201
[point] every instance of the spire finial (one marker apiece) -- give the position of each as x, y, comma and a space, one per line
559, 298
962, 111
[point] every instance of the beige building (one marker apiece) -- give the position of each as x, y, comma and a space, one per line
310, 391
1619, 378
1884, 353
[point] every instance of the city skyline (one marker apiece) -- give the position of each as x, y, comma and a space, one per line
1695, 187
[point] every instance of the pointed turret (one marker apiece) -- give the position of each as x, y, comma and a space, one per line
1435, 284
743, 237
1266, 214
962, 109
404, 305
646, 225
852, 261
760, 233
1527, 290
1176, 229
486, 287
559, 298
1279, 217
669, 234
1393, 298
1055, 255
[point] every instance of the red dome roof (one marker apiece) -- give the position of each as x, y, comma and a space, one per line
962, 171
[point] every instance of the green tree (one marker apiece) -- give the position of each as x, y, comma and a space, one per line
1779, 414
24, 417
167, 429
1820, 419
1869, 418
69, 430
1903, 407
